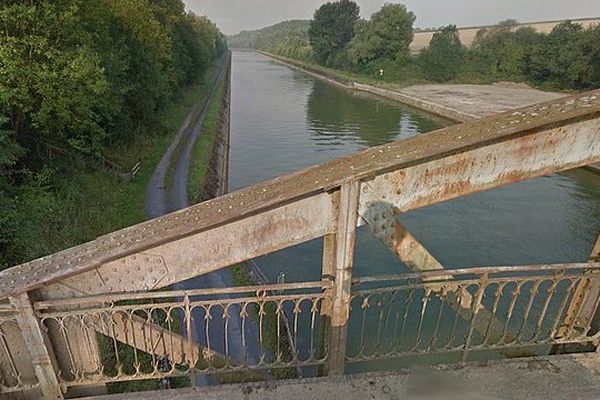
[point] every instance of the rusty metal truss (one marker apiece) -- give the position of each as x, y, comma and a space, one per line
60, 313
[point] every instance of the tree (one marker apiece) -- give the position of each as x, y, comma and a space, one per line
387, 36
564, 59
441, 60
506, 49
50, 89
592, 40
332, 28
75, 77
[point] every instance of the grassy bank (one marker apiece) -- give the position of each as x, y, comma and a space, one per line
203, 148
346, 77
74, 202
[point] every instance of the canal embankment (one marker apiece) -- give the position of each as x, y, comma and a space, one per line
456, 102
209, 170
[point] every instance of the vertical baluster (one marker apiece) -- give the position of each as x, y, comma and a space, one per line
424, 303
532, 294
455, 320
261, 344
475, 305
207, 319
14, 372
378, 344
438, 320
226, 317
390, 305
243, 315
295, 345
540, 320
189, 356
278, 325
497, 296
511, 307
576, 322
363, 322
563, 304
136, 360
314, 309
407, 305
63, 331
171, 352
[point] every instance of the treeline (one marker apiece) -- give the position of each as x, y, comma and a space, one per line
80, 76
287, 38
568, 58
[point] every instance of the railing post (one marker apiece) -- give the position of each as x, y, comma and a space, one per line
339, 254
581, 314
475, 308
38, 346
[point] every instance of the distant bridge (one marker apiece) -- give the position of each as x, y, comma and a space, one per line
102, 312
468, 34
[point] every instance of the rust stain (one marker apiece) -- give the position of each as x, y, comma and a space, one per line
325, 177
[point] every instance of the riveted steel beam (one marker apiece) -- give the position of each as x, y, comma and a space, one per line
486, 167
433, 167
204, 252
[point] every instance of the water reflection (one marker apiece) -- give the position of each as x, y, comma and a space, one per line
336, 116
283, 120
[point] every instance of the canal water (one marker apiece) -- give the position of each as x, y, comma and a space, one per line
283, 120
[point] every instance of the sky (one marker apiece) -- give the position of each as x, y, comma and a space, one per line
233, 16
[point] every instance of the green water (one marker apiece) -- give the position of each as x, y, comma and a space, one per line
283, 120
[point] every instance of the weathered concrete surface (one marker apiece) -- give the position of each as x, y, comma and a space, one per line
467, 102
556, 377
481, 100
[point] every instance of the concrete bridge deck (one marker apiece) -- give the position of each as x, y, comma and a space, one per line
555, 377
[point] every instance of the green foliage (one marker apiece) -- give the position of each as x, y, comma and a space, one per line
79, 78
386, 36
441, 60
272, 37
505, 51
332, 28
564, 58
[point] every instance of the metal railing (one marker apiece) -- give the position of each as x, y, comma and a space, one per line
239, 334
211, 331
515, 311
16, 376
104, 312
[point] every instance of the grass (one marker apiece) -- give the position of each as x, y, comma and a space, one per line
78, 203
124, 201
203, 148
199, 104
347, 77
75, 202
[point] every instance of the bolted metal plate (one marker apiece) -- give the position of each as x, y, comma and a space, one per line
401, 156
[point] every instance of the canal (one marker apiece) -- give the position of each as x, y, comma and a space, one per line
283, 120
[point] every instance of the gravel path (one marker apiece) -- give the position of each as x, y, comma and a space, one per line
166, 194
